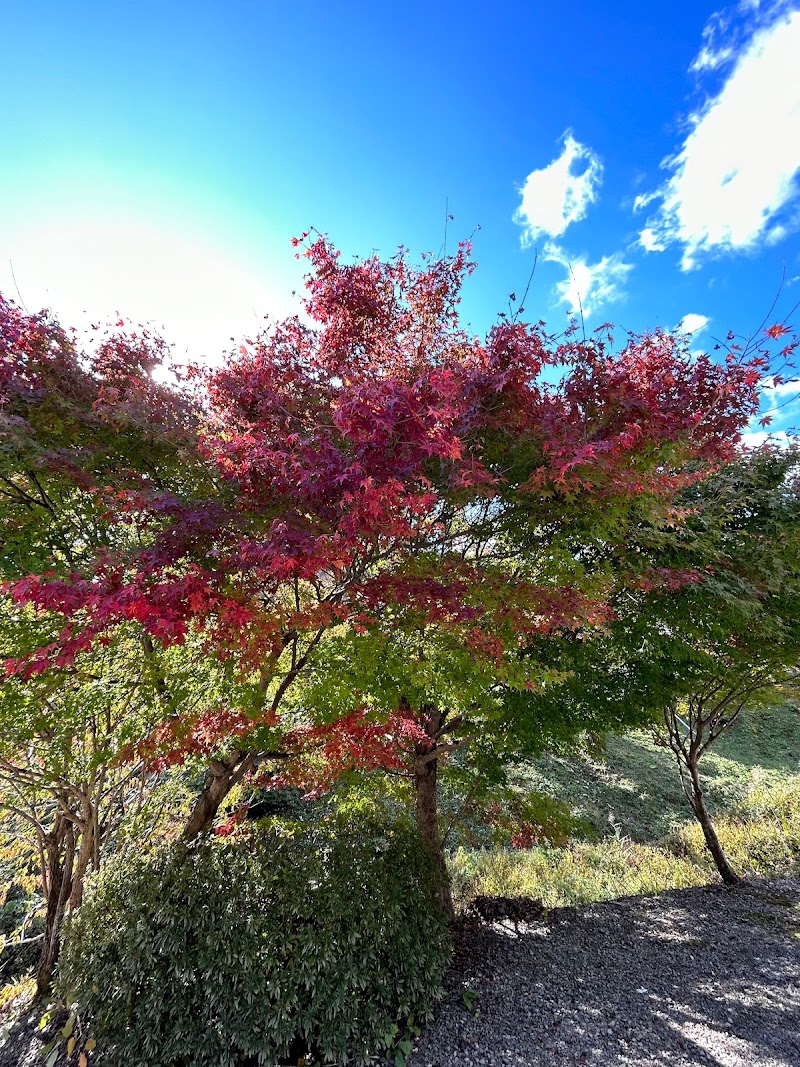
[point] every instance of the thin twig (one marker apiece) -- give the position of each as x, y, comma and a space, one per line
19, 294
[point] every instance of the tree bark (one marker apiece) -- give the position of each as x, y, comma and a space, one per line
59, 889
428, 826
427, 812
223, 775
727, 873
86, 855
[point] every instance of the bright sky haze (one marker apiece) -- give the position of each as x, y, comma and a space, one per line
158, 157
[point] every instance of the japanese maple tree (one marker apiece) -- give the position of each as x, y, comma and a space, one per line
80, 438
375, 472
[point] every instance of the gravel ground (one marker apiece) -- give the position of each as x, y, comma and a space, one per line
699, 976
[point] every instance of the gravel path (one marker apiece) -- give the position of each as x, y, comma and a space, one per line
703, 976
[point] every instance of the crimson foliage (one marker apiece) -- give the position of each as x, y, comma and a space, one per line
372, 468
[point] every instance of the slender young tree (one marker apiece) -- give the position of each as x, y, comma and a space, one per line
737, 634
59, 771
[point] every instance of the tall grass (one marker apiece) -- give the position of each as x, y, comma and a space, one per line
761, 837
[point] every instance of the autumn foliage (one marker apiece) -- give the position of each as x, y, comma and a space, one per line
368, 468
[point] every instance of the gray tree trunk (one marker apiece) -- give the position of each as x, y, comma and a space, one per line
60, 855
727, 873
223, 774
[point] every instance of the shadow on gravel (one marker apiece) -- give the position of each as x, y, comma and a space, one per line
705, 976
22, 1041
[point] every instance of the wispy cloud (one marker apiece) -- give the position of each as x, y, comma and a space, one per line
693, 323
648, 238
735, 174
560, 193
588, 285
773, 392
727, 32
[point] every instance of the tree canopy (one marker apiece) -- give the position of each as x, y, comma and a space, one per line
360, 517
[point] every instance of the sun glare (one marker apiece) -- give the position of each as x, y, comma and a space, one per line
196, 295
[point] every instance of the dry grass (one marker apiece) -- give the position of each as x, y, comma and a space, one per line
762, 837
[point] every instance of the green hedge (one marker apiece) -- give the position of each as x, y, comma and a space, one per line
247, 946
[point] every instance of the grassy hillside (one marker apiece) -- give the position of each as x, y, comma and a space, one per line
762, 837
633, 787
630, 798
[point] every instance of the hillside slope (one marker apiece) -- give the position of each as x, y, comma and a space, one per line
633, 787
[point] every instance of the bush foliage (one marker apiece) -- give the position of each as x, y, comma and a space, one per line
250, 945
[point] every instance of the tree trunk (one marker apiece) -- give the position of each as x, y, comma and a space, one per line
223, 775
59, 889
86, 855
427, 808
727, 873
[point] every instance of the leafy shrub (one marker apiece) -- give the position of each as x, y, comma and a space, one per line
249, 945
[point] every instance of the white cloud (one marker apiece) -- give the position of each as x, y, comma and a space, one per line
753, 439
727, 31
785, 412
716, 51
773, 393
708, 59
649, 241
692, 323
588, 285
560, 193
736, 169
780, 405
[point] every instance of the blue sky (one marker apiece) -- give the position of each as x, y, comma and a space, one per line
157, 158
